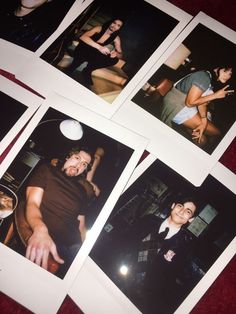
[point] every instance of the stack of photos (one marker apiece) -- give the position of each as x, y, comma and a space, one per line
114, 119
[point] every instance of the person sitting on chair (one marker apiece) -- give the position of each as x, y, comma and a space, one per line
186, 104
100, 47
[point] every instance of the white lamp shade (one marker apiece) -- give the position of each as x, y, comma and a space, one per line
71, 129
177, 57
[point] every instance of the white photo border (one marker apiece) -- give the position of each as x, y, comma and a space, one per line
29, 100
13, 58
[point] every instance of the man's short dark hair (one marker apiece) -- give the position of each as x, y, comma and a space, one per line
181, 199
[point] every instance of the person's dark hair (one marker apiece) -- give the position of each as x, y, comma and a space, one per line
116, 17
108, 23
226, 67
181, 199
215, 74
77, 149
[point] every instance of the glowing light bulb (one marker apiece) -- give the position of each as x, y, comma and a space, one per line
124, 270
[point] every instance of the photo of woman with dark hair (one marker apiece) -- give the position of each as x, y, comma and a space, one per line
100, 47
187, 102
192, 91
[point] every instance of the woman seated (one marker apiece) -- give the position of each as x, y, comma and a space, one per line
186, 103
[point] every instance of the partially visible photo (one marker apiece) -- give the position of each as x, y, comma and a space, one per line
17, 107
29, 23
13, 110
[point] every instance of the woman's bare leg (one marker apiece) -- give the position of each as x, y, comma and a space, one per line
211, 130
192, 123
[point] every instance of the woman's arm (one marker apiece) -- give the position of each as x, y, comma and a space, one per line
200, 129
202, 109
195, 98
86, 38
118, 48
82, 227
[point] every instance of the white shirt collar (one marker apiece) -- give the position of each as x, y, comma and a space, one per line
172, 229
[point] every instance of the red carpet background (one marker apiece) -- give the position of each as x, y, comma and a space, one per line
221, 296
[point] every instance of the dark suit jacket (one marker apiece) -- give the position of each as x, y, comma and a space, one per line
160, 287
178, 243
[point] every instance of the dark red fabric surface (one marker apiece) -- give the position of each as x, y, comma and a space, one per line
220, 298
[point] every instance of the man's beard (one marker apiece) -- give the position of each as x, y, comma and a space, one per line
71, 172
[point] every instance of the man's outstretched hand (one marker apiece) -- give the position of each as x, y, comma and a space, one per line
40, 244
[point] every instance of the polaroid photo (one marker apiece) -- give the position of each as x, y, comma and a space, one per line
186, 103
23, 29
81, 162
104, 52
163, 245
18, 106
